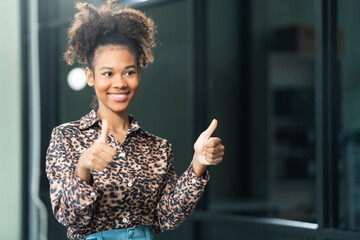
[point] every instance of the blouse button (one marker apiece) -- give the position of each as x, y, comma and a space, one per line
193, 181
130, 184
122, 154
131, 232
124, 220
92, 194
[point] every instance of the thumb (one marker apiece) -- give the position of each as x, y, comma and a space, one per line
104, 131
211, 129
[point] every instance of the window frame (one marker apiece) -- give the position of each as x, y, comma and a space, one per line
327, 105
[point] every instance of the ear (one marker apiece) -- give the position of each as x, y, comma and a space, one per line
89, 77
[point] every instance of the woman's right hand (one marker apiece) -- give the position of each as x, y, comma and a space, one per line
97, 157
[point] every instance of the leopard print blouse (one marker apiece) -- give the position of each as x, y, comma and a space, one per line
140, 187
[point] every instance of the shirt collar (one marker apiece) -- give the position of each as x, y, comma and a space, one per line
92, 118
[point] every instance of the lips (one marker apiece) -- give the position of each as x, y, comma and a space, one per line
119, 97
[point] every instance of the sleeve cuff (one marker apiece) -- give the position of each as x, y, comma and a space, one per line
193, 179
80, 193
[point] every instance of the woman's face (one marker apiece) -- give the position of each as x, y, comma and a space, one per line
116, 78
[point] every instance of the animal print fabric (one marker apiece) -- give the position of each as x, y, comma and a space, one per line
140, 187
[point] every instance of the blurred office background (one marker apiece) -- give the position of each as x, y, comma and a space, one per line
281, 76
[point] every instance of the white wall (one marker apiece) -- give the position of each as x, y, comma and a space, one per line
10, 121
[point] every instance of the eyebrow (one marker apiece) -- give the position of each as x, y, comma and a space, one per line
110, 68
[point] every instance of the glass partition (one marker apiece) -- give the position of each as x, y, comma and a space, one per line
349, 132
270, 133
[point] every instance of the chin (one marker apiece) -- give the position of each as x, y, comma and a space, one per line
119, 110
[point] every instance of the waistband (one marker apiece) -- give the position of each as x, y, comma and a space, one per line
135, 233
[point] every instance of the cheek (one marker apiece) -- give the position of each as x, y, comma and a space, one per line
100, 84
135, 85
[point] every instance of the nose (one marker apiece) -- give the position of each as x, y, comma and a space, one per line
120, 82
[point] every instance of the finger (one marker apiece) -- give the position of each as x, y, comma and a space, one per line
104, 163
105, 157
104, 131
210, 130
106, 148
215, 150
100, 162
214, 161
98, 167
211, 156
110, 151
213, 142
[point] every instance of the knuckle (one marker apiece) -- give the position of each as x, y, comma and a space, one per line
92, 161
99, 167
92, 158
102, 144
95, 151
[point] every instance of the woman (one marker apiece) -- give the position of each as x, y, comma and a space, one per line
110, 179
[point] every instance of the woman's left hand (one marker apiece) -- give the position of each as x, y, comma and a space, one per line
208, 150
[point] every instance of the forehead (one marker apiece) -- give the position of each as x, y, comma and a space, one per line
113, 54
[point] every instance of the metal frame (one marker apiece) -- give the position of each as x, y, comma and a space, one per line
25, 119
244, 9
321, 110
326, 113
144, 3
198, 79
198, 68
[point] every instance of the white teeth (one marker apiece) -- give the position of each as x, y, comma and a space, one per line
119, 95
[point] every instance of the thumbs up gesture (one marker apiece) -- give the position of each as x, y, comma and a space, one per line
208, 150
97, 157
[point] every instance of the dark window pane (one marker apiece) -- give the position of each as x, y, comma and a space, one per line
278, 116
349, 161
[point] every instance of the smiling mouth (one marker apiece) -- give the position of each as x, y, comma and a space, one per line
119, 97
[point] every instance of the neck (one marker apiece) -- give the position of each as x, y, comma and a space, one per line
118, 121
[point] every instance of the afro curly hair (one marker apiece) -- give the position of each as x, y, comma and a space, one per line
110, 24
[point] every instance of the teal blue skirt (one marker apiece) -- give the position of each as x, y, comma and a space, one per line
136, 233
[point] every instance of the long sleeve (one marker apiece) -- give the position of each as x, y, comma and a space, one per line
138, 188
72, 199
179, 196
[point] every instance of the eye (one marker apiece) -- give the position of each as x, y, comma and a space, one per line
130, 73
107, 74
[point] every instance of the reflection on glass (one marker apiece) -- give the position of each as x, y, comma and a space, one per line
290, 107
281, 167
283, 50
291, 139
